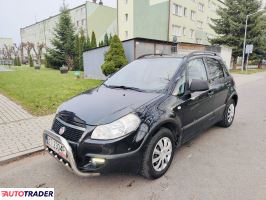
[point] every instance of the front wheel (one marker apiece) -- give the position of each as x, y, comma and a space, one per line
229, 114
158, 154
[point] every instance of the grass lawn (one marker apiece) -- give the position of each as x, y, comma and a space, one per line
41, 91
249, 71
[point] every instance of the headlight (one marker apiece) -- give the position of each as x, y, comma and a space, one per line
116, 129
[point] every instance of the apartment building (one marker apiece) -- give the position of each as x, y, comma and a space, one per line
90, 16
186, 21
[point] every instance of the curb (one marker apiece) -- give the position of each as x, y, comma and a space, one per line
13, 157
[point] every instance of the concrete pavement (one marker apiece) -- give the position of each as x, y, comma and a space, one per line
217, 165
20, 132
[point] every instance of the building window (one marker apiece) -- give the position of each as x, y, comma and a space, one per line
192, 33
178, 10
176, 31
200, 24
184, 31
193, 15
126, 34
185, 12
77, 23
201, 7
126, 1
126, 17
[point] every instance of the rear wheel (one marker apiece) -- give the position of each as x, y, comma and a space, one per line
229, 114
158, 154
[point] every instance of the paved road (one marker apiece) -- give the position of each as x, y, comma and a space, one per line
219, 164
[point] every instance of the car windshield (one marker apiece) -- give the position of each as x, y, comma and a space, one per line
151, 74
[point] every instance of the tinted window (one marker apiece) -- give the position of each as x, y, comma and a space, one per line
147, 74
215, 69
196, 70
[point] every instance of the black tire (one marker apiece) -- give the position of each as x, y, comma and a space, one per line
225, 121
147, 169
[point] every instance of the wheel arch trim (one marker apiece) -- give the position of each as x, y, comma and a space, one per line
233, 96
172, 124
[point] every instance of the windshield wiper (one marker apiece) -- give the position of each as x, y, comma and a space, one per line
124, 87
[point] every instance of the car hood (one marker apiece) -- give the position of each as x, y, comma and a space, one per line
104, 105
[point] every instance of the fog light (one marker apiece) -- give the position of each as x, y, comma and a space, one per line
98, 160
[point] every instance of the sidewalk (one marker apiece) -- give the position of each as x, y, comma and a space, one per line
20, 132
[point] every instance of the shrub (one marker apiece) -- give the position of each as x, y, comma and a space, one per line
31, 61
18, 61
15, 61
114, 58
93, 40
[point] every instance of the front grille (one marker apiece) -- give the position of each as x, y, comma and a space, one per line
71, 118
70, 134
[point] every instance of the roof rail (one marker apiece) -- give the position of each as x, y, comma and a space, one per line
146, 55
196, 53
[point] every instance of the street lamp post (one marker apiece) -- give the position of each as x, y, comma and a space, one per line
244, 45
245, 38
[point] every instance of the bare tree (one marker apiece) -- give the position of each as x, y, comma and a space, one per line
29, 46
8, 52
38, 51
15, 50
22, 46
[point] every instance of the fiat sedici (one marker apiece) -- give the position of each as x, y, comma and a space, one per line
142, 113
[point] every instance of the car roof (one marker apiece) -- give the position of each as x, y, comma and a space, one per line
178, 55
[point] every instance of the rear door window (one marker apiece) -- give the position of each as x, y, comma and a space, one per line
215, 69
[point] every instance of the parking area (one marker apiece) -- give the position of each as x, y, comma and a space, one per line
219, 164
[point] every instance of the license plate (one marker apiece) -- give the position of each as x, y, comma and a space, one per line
56, 146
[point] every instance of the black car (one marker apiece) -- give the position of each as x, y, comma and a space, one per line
141, 114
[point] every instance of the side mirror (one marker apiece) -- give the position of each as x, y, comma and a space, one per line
198, 85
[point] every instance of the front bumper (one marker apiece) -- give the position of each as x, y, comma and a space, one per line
112, 162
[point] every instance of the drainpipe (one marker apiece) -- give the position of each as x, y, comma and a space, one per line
169, 17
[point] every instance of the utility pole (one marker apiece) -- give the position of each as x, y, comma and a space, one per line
245, 38
244, 45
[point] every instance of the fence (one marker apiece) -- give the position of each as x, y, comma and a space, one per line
6, 62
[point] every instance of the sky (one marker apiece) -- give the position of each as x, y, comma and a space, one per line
15, 14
